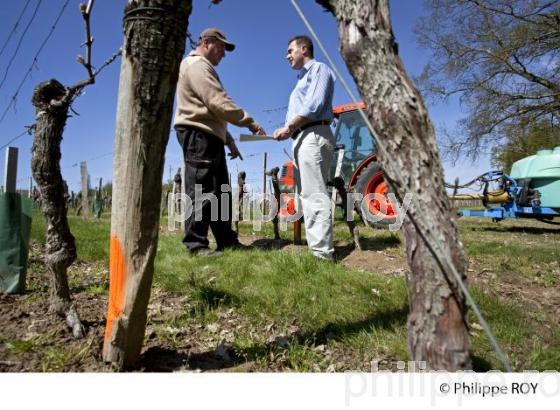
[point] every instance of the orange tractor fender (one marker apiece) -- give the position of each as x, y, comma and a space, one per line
358, 171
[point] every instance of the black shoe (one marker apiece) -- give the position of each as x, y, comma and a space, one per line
206, 252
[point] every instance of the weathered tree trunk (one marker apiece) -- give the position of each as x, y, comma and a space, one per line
155, 33
438, 330
45, 164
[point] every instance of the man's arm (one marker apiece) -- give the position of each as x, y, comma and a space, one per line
207, 85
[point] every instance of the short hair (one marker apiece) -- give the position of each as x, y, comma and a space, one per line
303, 41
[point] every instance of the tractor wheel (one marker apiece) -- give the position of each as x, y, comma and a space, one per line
375, 209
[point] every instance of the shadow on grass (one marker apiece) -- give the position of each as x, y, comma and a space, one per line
518, 229
210, 297
341, 252
368, 244
390, 319
380, 243
157, 359
387, 320
266, 244
480, 365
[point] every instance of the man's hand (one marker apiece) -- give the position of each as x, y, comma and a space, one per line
233, 150
282, 134
258, 130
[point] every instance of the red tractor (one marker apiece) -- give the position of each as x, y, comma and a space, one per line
356, 162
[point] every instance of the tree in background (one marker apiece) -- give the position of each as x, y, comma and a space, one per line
525, 141
500, 57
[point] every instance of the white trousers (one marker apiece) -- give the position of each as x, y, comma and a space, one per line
313, 153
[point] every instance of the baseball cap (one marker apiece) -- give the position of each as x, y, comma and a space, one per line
219, 34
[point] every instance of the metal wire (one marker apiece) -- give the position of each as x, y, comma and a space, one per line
19, 43
34, 62
15, 27
432, 244
93, 158
13, 139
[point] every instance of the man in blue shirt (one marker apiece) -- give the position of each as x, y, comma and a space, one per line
307, 122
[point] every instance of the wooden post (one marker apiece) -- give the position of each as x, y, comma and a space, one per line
98, 202
338, 169
154, 42
176, 190
163, 205
85, 188
264, 185
241, 191
183, 191
99, 189
273, 173
10, 169
297, 232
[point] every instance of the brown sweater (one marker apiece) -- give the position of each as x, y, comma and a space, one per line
202, 101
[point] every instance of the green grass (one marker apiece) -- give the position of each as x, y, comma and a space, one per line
55, 359
92, 235
523, 248
358, 314
21, 346
515, 331
28, 344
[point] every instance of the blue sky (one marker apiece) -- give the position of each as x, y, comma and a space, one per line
256, 75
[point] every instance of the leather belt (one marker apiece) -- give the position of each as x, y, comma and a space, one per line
309, 125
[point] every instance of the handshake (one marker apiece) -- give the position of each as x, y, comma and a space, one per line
279, 134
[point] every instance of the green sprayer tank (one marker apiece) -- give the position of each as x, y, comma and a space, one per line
544, 171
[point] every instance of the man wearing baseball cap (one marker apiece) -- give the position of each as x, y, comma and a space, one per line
203, 111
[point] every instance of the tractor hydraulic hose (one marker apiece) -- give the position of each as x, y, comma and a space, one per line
481, 178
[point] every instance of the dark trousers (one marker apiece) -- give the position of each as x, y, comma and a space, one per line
205, 166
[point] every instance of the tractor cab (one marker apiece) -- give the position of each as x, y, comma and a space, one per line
353, 136
355, 162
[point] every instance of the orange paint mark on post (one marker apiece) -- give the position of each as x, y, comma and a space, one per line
117, 281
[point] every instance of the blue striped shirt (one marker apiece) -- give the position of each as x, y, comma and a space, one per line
312, 97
